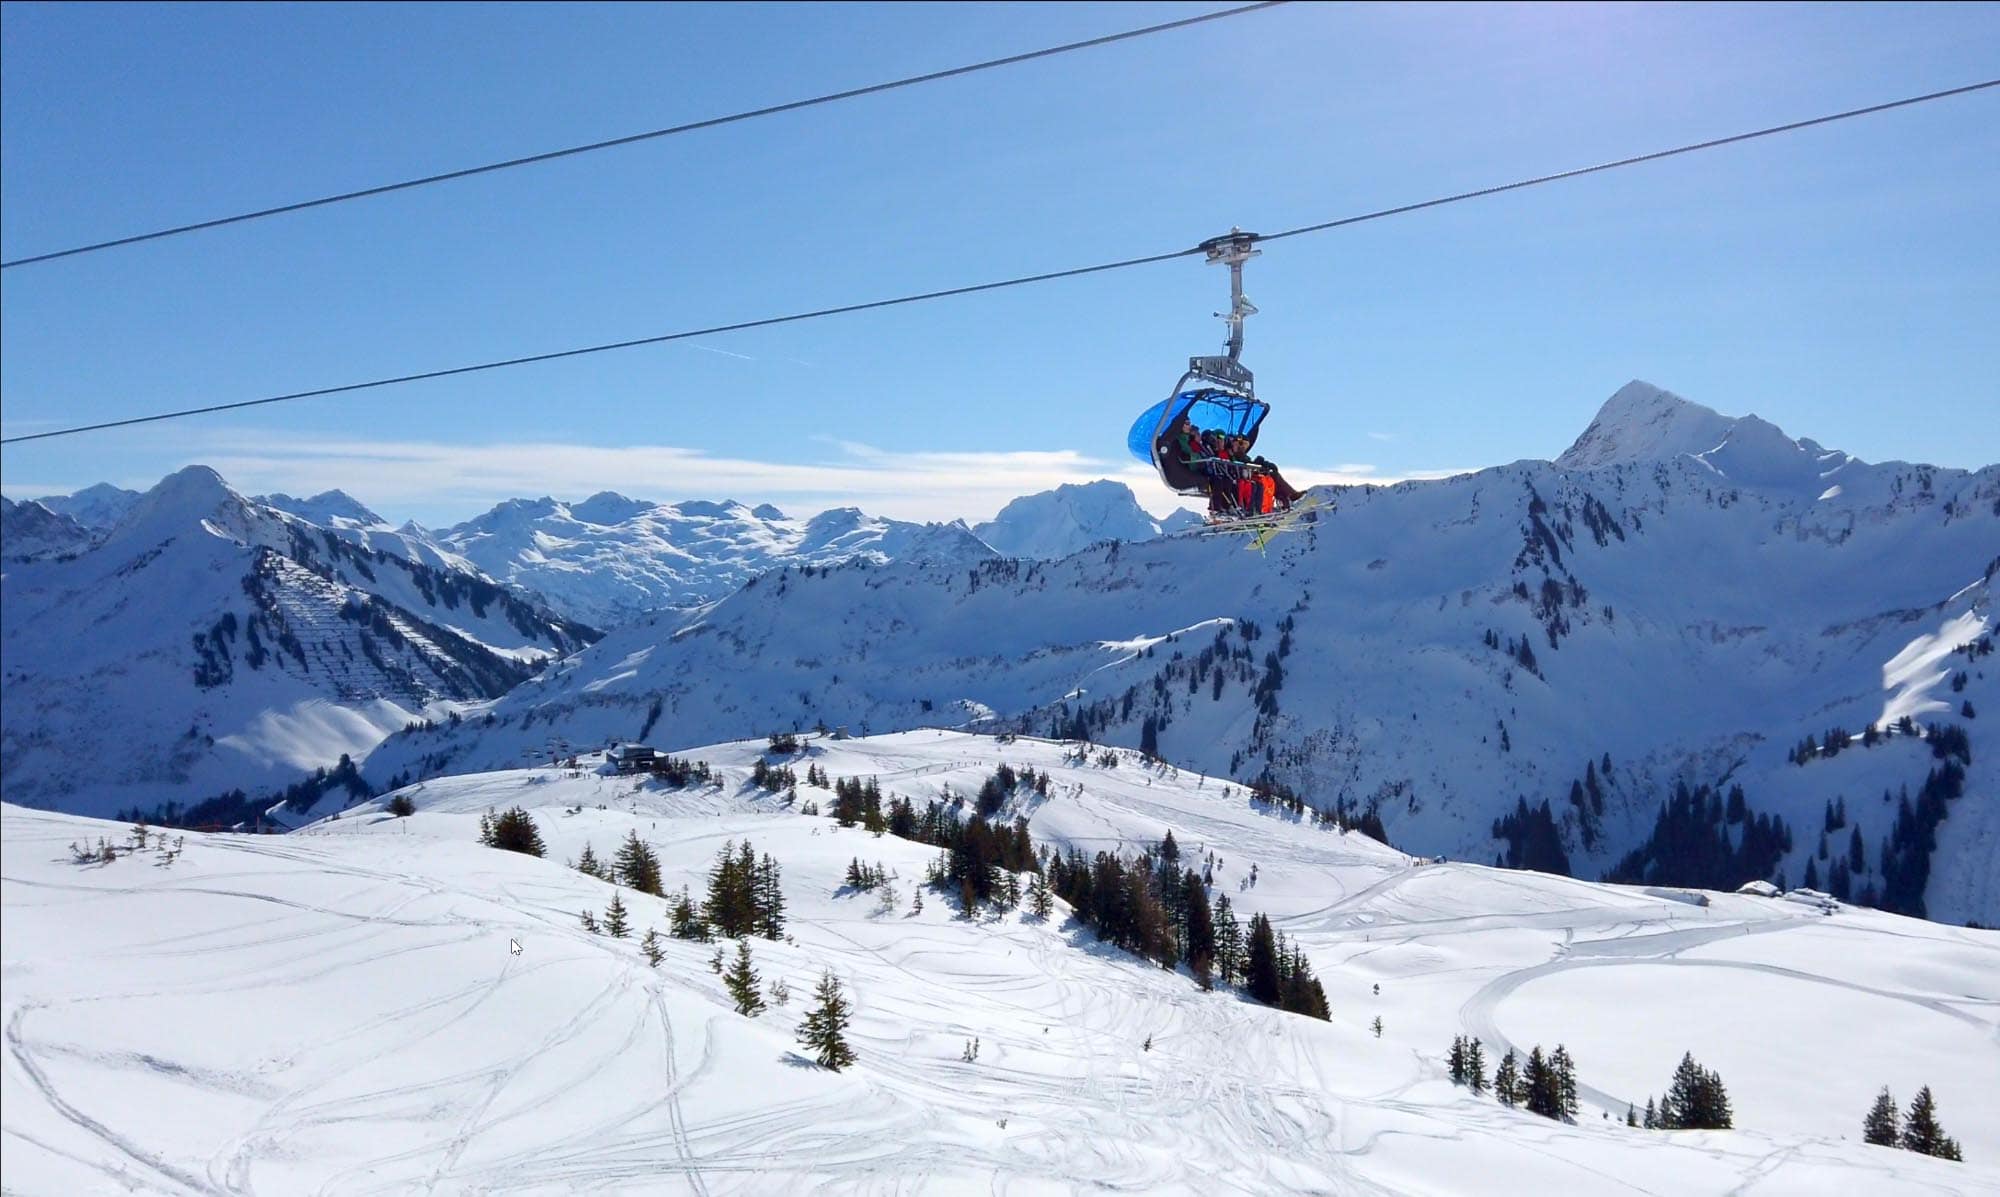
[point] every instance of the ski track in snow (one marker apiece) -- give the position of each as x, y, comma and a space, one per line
335, 1012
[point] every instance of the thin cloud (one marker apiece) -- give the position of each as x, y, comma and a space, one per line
436, 477
444, 482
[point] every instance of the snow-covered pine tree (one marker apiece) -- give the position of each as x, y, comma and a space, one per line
824, 1031
1652, 1115
1631, 1115
589, 921
614, 917
1475, 1065
649, 947
741, 981
1883, 1126
586, 862
1456, 1060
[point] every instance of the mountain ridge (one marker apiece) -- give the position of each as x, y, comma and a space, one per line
1450, 654
228, 645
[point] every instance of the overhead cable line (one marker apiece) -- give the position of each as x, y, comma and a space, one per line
629, 139
1023, 280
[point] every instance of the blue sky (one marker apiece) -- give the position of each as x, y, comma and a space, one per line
1843, 282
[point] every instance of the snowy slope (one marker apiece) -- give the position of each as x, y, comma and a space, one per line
1070, 518
338, 1011
609, 559
1443, 651
211, 644
30, 532
95, 507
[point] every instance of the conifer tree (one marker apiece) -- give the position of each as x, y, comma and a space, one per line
769, 899
1199, 937
1507, 1081
1631, 1115
1228, 941
587, 862
1565, 1079
1539, 1081
1883, 1126
649, 947
824, 1031
1921, 1132
514, 831
637, 866
1652, 1116
1039, 903
1456, 1061
589, 921
486, 829
741, 981
1261, 971
731, 908
687, 923
1475, 1065
614, 918
1696, 1099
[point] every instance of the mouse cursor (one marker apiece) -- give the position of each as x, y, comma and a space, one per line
514, 947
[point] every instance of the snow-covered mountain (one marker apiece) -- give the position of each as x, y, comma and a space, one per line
211, 643
95, 507
1070, 518
334, 509
1452, 654
29, 532
344, 1008
610, 559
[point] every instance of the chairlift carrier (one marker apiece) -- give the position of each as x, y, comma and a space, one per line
1217, 392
